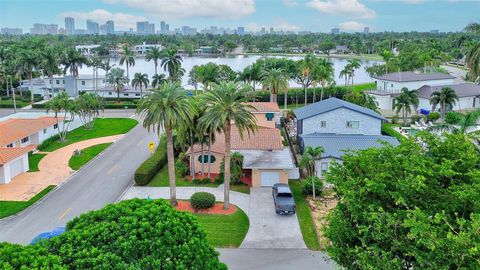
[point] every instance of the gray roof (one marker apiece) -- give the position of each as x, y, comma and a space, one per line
331, 104
263, 159
462, 90
335, 145
409, 76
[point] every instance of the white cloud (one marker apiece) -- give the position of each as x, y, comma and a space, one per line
122, 20
347, 8
414, 1
280, 25
162, 9
351, 26
290, 3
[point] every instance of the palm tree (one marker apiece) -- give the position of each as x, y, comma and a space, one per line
310, 155
304, 74
276, 81
140, 80
50, 63
128, 57
171, 62
30, 60
473, 62
107, 67
324, 73
72, 61
166, 108
445, 97
473, 27
387, 56
154, 54
207, 74
95, 63
226, 104
354, 64
405, 101
117, 78
345, 73
158, 80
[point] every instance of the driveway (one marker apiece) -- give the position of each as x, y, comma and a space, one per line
267, 229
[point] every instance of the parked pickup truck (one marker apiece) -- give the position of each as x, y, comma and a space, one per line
283, 199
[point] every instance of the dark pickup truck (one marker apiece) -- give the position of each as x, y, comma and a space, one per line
283, 199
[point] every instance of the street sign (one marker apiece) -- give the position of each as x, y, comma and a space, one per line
151, 146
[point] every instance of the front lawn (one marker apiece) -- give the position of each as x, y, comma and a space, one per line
101, 128
304, 216
87, 154
225, 230
8, 103
33, 160
8, 208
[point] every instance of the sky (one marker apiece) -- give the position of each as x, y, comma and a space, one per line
286, 15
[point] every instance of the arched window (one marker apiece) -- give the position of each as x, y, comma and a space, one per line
204, 159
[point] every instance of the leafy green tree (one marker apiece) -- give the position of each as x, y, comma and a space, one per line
96, 63
226, 106
35, 257
166, 109
404, 103
154, 55
117, 78
346, 73
305, 73
324, 73
354, 64
473, 62
236, 167
72, 61
158, 80
89, 106
207, 74
414, 206
62, 104
171, 62
140, 80
127, 57
309, 156
446, 97
30, 60
276, 81
106, 67
50, 63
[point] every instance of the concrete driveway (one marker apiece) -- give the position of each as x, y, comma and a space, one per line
267, 229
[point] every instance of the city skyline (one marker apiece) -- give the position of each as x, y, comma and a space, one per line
283, 15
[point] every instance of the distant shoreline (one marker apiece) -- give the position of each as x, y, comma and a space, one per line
370, 57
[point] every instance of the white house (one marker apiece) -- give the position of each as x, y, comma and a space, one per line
144, 48
338, 126
468, 96
47, 88
86, 49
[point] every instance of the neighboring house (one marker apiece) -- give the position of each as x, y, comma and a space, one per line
84, 82
338, 126
266, 161
468, 96
144, 48
87, 50
340, 49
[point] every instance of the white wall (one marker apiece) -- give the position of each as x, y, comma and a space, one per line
463, 103
329, 161
391, 86
5, 169
385, 102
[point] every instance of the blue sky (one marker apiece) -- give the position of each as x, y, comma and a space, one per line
296, 15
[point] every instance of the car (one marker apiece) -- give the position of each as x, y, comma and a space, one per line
47, 235
283, 199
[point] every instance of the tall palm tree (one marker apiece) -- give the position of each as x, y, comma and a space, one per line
305, 72
158, 80
309, 157
387, 56
171, 61
473, 62
30, 60
167, 108
276, 81
50, 63
405, 101
95, 63
128, 57
324, 73
140, 80
72, 61
445, 97
106, 67
345, 73
154, 55
117, 78
354, 64
226, 105
207, 74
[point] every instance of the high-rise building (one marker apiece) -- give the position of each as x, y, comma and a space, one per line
151, 29
271, 30
145, 28
335, 31
44, 29
11, 31
70, 25
366, 30
109, 28
92, 27
167, 28
241, 30
162, 27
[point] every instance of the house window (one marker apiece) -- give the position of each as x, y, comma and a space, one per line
10, 145
24, 140
269, 116
44, 131
125, 95
109, 93
324, 167
55, 126
50, 82
83, 82
137, 95
353, 124
391, 85
323, 124
204, 159
63, 81
58, 81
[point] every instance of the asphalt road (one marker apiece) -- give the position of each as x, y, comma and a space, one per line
106, 113
99, 183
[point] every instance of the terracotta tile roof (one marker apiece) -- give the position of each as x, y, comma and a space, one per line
15, 129
262, 139
8, 154
264, 106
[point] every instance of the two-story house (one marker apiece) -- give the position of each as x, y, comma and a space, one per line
338, 126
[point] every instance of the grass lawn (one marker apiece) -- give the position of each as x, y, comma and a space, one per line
76, 162
8, 208
8, 103
225, 230
102, 127
33, 160
161, 180
304, 217
364, 86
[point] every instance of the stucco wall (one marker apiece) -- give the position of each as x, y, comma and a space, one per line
215, 166
396, 86
256, 176
336, 122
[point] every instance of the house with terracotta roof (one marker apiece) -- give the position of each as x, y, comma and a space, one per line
266, 161
18, 137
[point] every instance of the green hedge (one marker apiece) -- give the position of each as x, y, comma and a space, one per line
38, 106
202, 200
120, 105
46, 143
150, 167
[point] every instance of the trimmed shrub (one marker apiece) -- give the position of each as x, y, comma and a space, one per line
307, 188
150, 167
13, 256
180, 168
453, 118
433, 116
202, 200
201, 181
46, 143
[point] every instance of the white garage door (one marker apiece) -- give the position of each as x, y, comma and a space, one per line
16, 167
267, 179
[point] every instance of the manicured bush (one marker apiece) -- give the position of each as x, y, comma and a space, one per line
135, 234
120, 105
38, 106
46, 143
433, 116
453, 118
150, 167
13, 256
180, 168
307, 186
202, 200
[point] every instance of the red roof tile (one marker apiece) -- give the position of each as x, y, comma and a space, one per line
8, 154
15, 129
